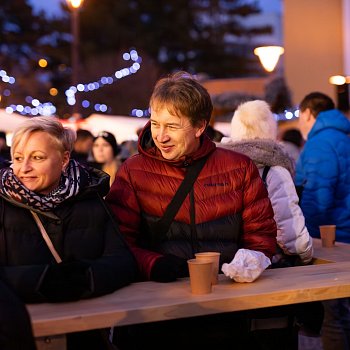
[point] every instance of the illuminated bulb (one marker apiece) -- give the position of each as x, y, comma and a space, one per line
75, 4
337, 80
269, 56
42, 63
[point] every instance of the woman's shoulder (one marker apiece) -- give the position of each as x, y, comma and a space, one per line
280, 174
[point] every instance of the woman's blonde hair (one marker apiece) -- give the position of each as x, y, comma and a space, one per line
65, 137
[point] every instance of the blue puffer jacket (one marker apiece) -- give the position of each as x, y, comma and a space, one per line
323, 170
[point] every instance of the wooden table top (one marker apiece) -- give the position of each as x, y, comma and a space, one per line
151, 301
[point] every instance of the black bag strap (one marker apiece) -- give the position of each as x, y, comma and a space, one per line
187, 183
264, 174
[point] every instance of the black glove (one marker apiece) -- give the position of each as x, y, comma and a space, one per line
168, 268
67, 281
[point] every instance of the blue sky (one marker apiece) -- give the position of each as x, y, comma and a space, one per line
52, 7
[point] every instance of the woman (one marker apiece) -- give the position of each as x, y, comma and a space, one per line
254, 133
44, 192
105, 150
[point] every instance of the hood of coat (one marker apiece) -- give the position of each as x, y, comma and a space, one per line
262, 151
332, 119
147, 147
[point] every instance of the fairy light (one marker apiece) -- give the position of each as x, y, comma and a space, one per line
35, 107
6, 78
70, 93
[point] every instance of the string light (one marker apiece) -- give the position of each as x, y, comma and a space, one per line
105, 80
6, 78
48, 108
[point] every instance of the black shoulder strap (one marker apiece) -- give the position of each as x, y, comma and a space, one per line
192, 173
264, 174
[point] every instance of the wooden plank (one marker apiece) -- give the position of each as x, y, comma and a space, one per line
340, 251
151, 301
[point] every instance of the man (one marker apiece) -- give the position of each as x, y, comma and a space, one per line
227, 209
323, 173
323, 169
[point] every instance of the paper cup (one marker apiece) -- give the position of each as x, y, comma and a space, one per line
200, 275
214, 257
327, 233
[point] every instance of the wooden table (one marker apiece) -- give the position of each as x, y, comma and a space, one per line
328, 278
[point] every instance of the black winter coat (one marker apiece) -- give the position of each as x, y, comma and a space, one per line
96, 260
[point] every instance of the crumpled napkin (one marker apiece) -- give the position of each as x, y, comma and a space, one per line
246, 266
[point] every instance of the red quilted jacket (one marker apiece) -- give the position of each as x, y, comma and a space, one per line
232, 208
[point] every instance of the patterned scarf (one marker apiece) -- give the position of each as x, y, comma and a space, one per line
72, 181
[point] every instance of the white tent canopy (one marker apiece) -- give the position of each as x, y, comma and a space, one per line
10, 121
122, 127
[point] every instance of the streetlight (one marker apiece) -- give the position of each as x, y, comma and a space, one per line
341, 84
75, 5
269, 56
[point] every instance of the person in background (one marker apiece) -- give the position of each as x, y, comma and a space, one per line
292, 142
323, 173
127, 149
82, 146
254, 133
214, 134
105, 150
45, 193
15, 327
5, 155
227, 209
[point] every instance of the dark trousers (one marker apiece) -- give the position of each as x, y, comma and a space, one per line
15, 327
222, 331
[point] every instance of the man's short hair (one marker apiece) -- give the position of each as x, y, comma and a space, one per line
83, 134
317, 102
182, 95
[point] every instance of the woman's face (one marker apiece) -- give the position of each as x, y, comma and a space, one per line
38, 162
102, 151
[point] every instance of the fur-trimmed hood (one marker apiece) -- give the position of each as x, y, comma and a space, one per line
261, 151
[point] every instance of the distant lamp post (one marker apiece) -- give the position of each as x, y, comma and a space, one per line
342, 91
269, 56
74, 6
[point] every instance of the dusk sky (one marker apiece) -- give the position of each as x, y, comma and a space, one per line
52, 7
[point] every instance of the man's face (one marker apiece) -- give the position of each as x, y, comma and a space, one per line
174, 135
306, 122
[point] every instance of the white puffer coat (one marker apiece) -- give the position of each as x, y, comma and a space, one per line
292, 235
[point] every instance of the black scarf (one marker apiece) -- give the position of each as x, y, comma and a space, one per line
73, 180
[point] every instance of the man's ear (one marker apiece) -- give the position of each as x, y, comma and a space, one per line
201, 128
309, 115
